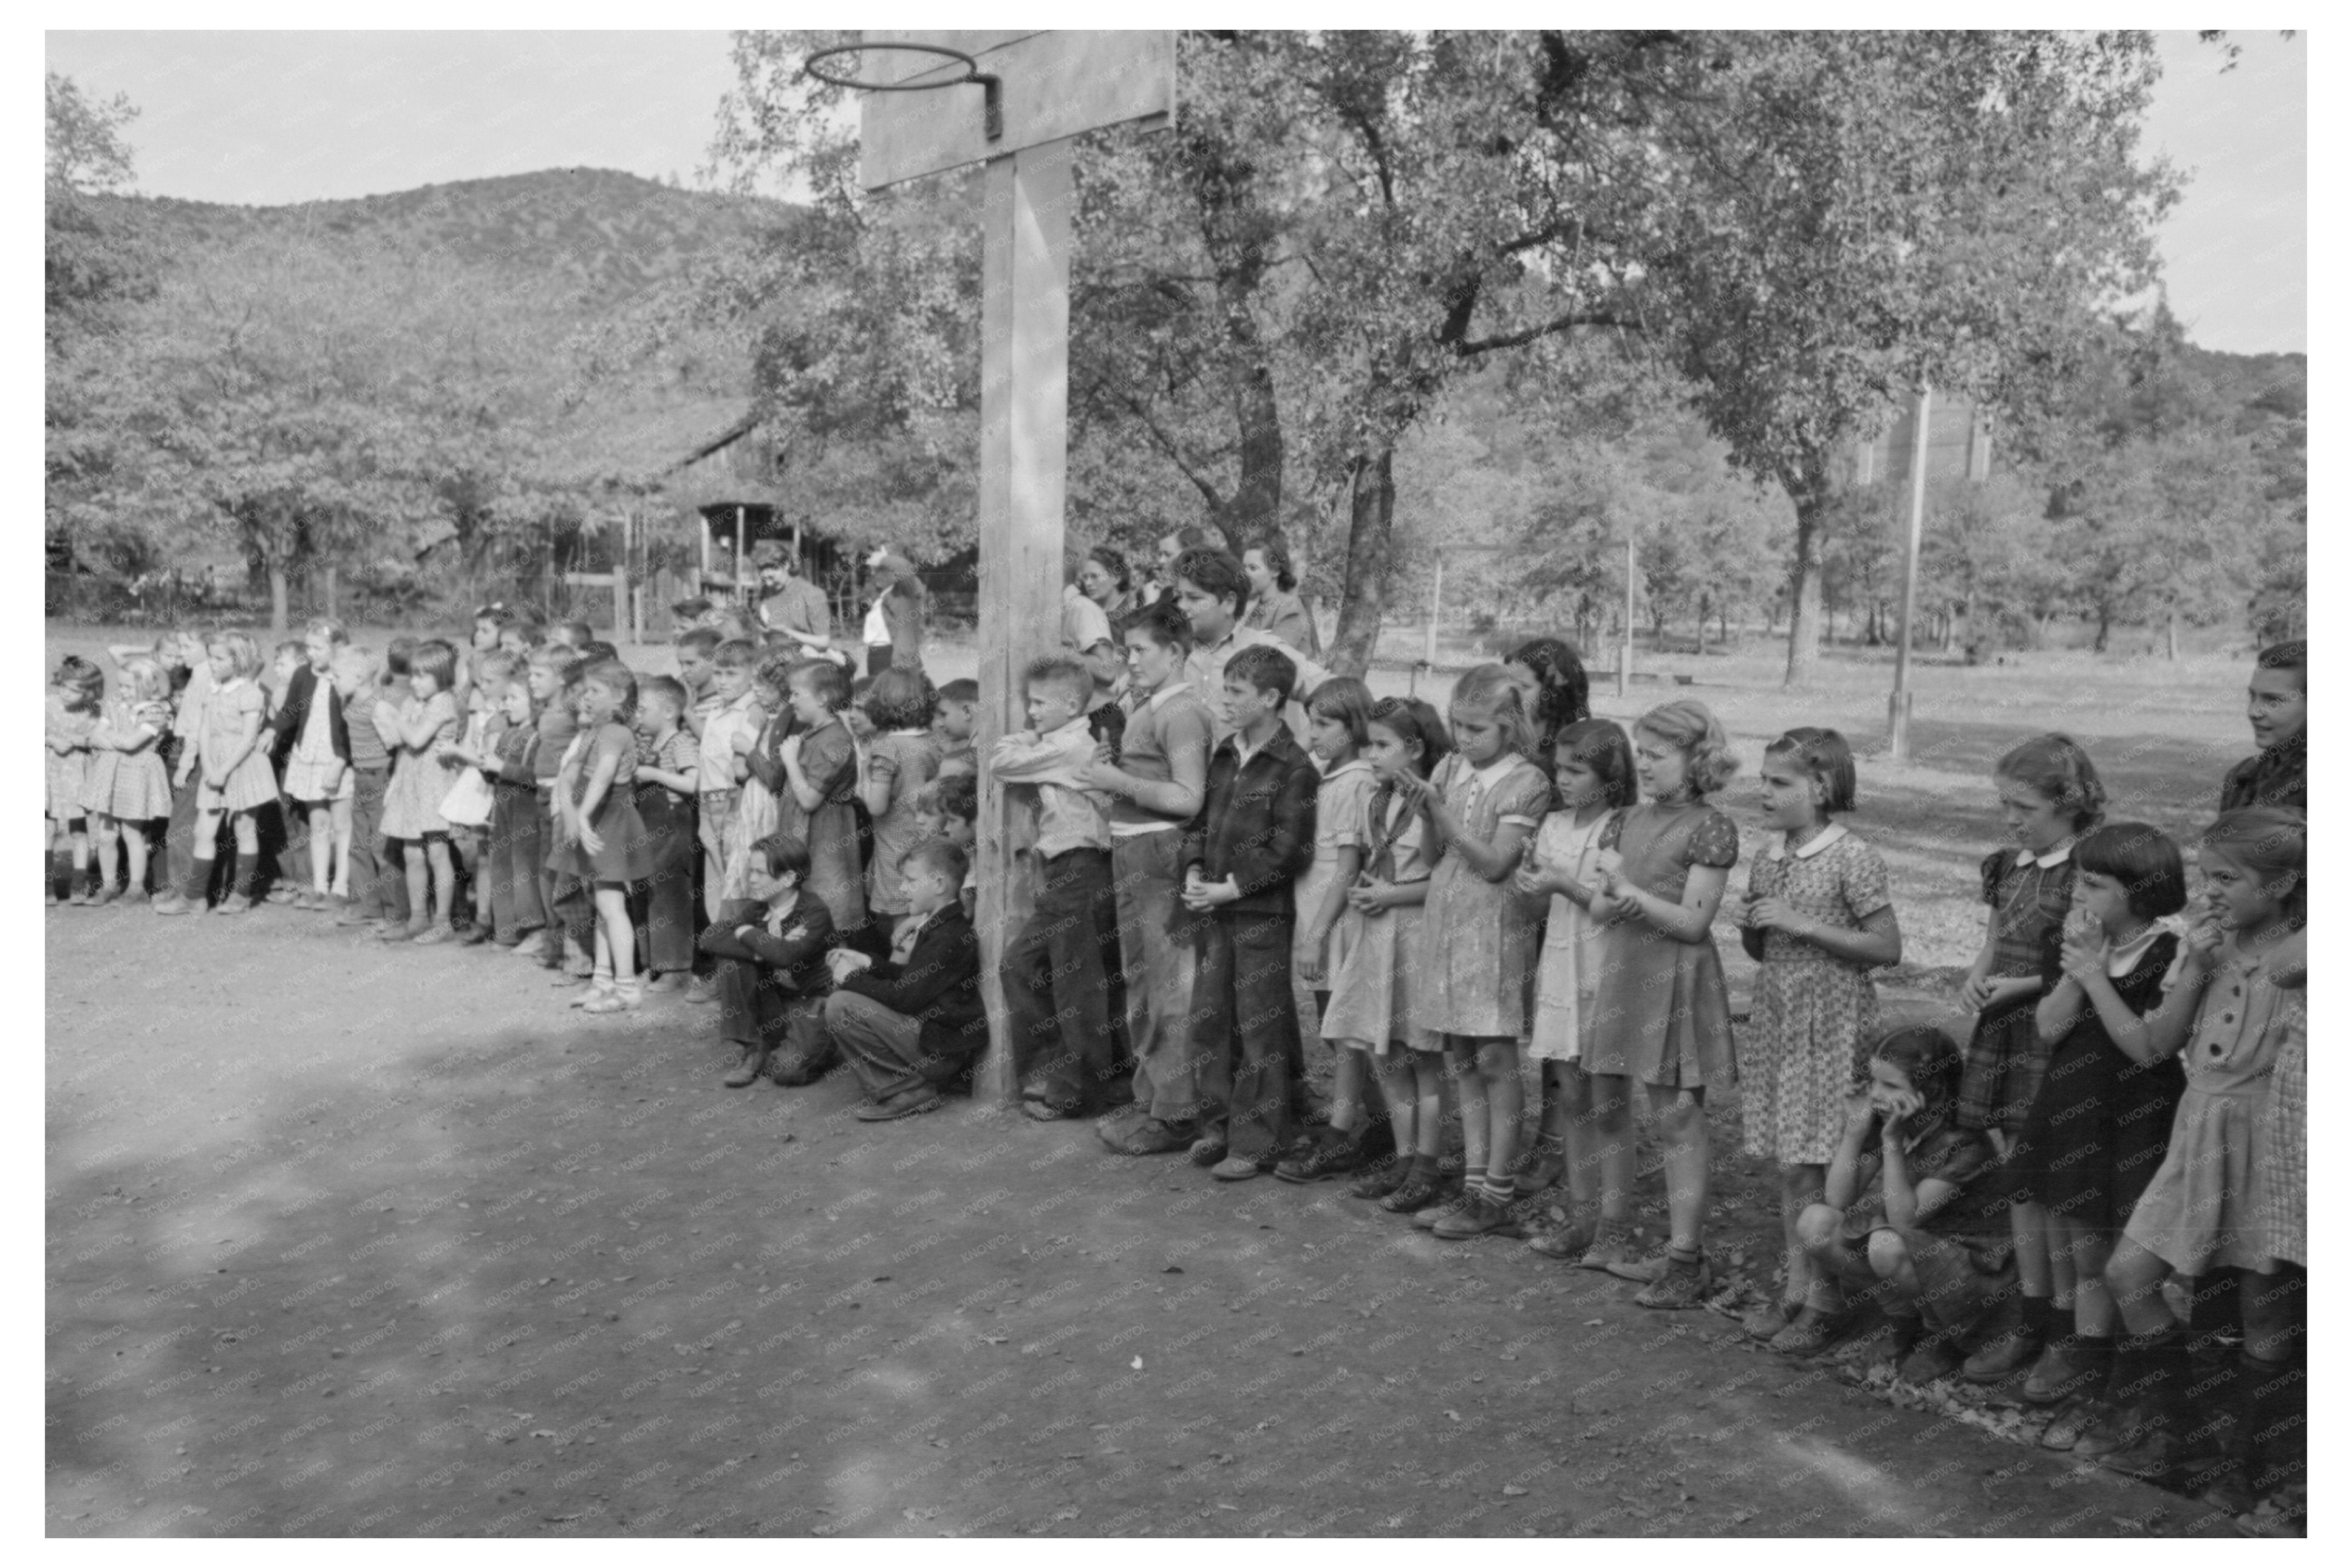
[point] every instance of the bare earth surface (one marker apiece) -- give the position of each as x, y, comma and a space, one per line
416, 1250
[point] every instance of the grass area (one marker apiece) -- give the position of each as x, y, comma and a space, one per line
2162, 734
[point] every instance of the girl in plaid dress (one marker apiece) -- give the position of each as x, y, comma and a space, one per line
2050, 796
1817, 920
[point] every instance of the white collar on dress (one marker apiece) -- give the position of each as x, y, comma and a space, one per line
1827, 836
2121, 960
1489, 775
2056, 856
1353, 765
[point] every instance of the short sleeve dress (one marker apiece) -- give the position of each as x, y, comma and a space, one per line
412, 801
1570, 966
1372, 988
252, 782
2001, 1073
1814, 1016
1660, 1012
1339, 802
67, 772
2282, 1166
626, 851
1477, 945
2201, 1212
908, 759
129, 786
2099, 1126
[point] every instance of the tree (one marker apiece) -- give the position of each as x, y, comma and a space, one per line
1853, 213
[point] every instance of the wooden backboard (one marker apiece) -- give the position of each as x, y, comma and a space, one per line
1055, 83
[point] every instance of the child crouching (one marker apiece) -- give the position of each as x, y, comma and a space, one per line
772, 976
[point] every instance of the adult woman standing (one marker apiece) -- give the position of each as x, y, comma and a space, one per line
1103, 577
1273, 604
894, 622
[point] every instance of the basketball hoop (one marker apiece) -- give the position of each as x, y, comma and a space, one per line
991, 88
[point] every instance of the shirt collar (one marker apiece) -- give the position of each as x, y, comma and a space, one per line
2056, 856
2121, 960
1829, 835
1066, 731
1165, 692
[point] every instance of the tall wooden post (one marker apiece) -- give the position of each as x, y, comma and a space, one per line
1436, 595
1025, 334
1898, 702
1625, 649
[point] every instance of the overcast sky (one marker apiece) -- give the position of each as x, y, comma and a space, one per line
268, 117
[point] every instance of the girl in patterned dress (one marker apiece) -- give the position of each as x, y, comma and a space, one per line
1592, 776
420, 779
2234, 1002
1660, 1015
1372, 987
1817, 920
1477, 943
75, 688
2050, 795
813, 771
233, 776
1339, 727
127, 789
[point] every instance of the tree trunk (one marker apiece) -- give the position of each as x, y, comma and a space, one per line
2172, 634
1701, 640
333, 595
277, 601
1372, 512
1805, 597
1255, 513
2099, 643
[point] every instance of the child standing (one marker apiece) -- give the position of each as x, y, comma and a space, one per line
1156, 787
1592, 778
1062, 996
233, 777
354, 675
412, 809
1817, 920
2098, 1127
1912, 1207
1372, 989
2050, 795
667, 774
949, 809
2228, 1010
953, 721
127, 791
549, 679
900, 760
1243, 852
1477, 951
600, 839
318, 778
1665, 1020
1339, 720
814, 766
73, 714
729, 723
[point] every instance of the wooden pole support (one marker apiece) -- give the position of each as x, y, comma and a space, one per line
1898, 702
1025, 334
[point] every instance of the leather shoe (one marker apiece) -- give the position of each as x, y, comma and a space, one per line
907, 1102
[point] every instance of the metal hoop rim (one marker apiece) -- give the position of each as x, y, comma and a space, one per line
973, 73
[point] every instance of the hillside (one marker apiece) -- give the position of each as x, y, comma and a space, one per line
609, 235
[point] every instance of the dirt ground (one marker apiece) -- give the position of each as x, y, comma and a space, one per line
411, 1248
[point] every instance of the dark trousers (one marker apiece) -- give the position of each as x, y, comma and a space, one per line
1245, 1032
662, 907
760, 1010
1063, 996
375, 874
513, 855
571, 910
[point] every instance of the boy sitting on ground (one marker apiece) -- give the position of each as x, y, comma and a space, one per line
772, 972
912, 1024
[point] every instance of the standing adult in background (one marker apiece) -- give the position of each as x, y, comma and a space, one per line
1273, 604
1090, 634
894, 621
791, 603
1103, 577
1191, 536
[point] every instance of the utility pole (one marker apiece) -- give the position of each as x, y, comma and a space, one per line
1625, 648
1898, 702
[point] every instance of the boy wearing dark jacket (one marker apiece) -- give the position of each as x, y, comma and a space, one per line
771, 952
1254, 834
912, 1024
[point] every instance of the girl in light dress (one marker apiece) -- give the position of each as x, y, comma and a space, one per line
127, 789
1371, 1010
1339, 720
1593, 780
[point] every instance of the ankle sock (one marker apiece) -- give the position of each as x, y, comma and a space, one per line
1498, 1189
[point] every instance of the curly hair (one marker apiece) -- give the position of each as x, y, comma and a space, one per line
900, 700
1691, 728
1566, 693
1277, 561
2058, 770
1413, 721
